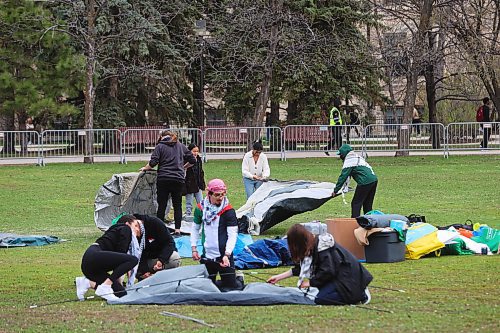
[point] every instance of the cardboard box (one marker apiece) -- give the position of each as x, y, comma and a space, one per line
342, 230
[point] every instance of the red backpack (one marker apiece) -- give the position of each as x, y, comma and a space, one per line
479, 114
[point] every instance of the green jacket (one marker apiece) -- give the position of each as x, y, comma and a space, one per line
356, 167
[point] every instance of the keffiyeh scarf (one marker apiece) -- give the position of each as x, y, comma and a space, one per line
210, 211
135, 249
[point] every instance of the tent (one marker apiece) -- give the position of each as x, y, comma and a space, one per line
276, 201
191, 285
132, 192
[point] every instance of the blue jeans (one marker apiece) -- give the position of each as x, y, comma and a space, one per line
328, 295
189, 201
251, 185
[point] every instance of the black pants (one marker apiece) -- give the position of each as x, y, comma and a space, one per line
165, 189
363, 197
486, 137
417, 126
335, 138
96, 264
227, 274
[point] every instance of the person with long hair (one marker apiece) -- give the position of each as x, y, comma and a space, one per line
170, 156
117, 251
323, 264
195, 180
255, 168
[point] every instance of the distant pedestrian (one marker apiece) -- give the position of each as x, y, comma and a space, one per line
416, 120
195, 180
335, 122
255, 168
483, 115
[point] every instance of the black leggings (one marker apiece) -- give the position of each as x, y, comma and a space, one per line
165, 189
363, 197
96, 264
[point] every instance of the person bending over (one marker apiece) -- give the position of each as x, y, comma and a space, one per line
117, 251
159, 249
323, 264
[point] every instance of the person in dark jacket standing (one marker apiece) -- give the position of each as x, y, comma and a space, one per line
323, 264
112, 252
356, 167
195, 180
170, 156
486, 119
159, 250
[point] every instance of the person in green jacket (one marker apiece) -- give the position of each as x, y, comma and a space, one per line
356, 167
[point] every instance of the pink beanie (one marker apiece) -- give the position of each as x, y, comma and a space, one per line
216, 185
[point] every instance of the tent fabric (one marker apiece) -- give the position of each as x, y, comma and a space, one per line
264, 253
276, 201
190, 285
13, 240
132, 192
379, 220
183, 245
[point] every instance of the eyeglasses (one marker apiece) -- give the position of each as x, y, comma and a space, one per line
217, 195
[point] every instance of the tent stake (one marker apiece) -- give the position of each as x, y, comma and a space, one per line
176, 315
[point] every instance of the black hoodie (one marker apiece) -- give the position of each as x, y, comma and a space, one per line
170, 158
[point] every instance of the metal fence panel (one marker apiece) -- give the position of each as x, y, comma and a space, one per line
470, 136
20, 145
140, 143
239, 140
317, 138
415, 137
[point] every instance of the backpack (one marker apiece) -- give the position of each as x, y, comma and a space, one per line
479, 114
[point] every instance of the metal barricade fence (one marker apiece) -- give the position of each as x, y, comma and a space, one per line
239, 140
404, 137
471, 136
20, 145
317, 138
80, 143
140, 143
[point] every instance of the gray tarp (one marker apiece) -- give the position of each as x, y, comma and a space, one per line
276, 201
133, 192
191, 285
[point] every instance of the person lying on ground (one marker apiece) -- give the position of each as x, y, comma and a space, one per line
323, 264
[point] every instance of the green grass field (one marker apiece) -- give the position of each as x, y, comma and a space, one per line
446, 294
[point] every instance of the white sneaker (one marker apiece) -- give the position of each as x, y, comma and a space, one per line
368, 296
106, 292
82, 285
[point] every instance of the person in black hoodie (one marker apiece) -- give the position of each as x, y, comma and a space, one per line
195, 180
170, 156
323, 264
159, 251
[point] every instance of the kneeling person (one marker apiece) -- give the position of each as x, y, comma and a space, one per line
159, 250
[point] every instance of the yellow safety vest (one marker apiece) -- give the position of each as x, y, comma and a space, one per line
335, 120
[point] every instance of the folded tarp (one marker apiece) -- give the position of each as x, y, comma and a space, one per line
191, 285
13, 240
264, 253
276, 201
379, 220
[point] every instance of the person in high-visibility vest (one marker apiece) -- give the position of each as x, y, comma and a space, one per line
335, 118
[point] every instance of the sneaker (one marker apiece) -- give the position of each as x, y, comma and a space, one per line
327, 153
82, 285
106, 292
368, 296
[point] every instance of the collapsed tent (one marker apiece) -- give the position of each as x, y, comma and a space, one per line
276, 201
13, 240
132, 192
191, 285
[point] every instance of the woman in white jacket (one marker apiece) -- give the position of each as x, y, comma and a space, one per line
255, 168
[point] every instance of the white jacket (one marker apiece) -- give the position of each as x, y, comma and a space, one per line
249, 168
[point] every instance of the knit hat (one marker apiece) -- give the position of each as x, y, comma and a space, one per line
216, 185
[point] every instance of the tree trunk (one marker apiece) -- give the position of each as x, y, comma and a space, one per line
90, 87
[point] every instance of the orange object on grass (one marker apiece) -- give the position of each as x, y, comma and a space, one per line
465, 232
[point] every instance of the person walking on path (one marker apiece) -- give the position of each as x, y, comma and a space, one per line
356, 167
486, 118
335, 122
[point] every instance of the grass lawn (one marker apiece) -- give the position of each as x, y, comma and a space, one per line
446, 294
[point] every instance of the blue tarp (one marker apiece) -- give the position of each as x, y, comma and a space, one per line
183, 245
264, 253
13, 240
